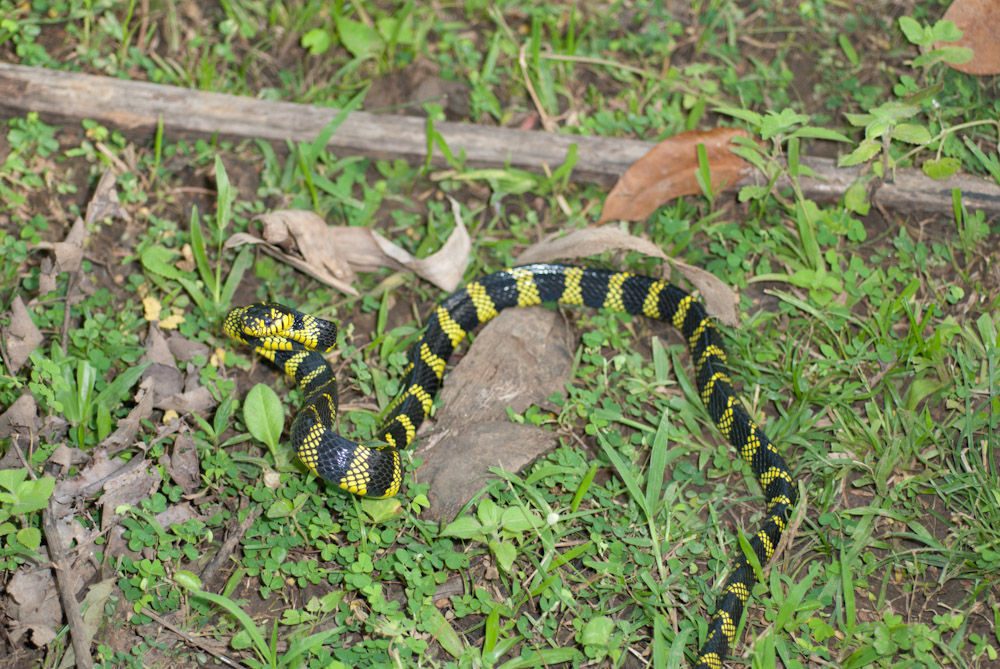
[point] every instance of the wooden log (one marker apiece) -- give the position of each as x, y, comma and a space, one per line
136, 107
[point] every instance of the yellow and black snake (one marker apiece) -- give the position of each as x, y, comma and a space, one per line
295, 342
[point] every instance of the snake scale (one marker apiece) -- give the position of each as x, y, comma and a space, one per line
295, 342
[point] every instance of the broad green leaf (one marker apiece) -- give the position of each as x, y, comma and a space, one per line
198, 251
115, 391
159, 260
751, 117
30, 538
941, 168
317, 40
358, 38
187, 580
811, 132
856, 199
505, 553
381, 510
597, 631
516, 519
435, 624
465, 527
32, 495
10, 479
913, 31
866, 150
946, 31
263, 415
911, 133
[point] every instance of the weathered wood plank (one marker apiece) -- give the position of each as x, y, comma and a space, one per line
135, 107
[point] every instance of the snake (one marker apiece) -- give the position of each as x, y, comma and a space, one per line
297, 342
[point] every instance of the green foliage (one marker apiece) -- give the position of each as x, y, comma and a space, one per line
19, 498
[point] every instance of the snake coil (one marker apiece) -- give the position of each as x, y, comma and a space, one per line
295, 342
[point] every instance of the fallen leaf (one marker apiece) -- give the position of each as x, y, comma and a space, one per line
104, 203
176, 514
183, 466
128, 427
21, 417
186, 350
168, 379
979, 21
21, 337
86, 483
69, 252
128, 486
519, 359
151, 308
669, 170
719, 299
334, 254
38, 609
197, 400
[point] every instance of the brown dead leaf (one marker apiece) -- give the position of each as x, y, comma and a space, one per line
104, 203
979, 21
128, 486
87, 482
334, 254
185, 350
168, 379
128, 427
69, 252
519, 359
669, 170
183, 466
38, 609
719, 299
196, 400
21, 417
21, 337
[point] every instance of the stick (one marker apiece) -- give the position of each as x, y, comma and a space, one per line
57, 552
136, 107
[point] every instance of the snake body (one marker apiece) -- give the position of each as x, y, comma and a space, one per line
295, 342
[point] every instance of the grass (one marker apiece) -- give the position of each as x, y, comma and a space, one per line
868, 346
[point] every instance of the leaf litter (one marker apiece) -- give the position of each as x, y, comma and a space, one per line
333, 255
671, 169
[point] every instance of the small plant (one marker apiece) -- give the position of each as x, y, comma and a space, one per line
211, 294
21, 497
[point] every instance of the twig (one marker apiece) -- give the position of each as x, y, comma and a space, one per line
192, 640
228, 546
64, 584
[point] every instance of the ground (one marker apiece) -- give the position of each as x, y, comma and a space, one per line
866, 347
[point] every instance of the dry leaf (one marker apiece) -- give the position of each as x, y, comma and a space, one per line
129, 486
69, 252
669, 170
719, 299
333, 254
128, 427
38, 609
104, 203
183, 466
21, 417
21, 337
979, 21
